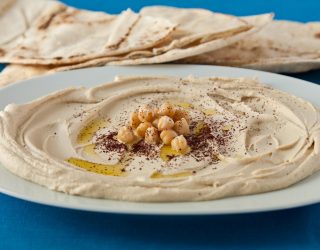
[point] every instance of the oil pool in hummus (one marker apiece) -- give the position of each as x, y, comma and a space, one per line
244, 138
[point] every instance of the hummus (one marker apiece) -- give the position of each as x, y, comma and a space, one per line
245, 138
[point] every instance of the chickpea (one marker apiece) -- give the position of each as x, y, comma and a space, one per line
152, 136
167, 136
134, 119
182, 127
165, 122
142, 128
167, 109
125, 135
156, 113
155, 123
146, 113
179, 144
181, 113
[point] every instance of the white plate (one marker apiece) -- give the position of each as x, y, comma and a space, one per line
303, 193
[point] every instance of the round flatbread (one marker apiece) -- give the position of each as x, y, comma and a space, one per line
64, 35
281, 46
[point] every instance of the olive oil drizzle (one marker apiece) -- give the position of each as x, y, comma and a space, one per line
158, 175
112, 170
86, 134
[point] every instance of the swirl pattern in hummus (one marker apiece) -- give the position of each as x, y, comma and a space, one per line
246, 138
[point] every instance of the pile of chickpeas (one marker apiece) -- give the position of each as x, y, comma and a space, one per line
167, 124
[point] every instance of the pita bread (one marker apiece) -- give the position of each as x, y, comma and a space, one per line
202, 27
282, 46
254, 23
65, 35
206, 31
15, 72
17, 15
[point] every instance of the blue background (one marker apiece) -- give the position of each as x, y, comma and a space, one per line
25, 225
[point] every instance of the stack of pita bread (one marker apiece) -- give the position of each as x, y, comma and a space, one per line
39, 37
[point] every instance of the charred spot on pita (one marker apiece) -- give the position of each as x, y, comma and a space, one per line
2, 52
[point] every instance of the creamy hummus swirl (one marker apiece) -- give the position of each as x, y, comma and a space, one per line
246, 138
